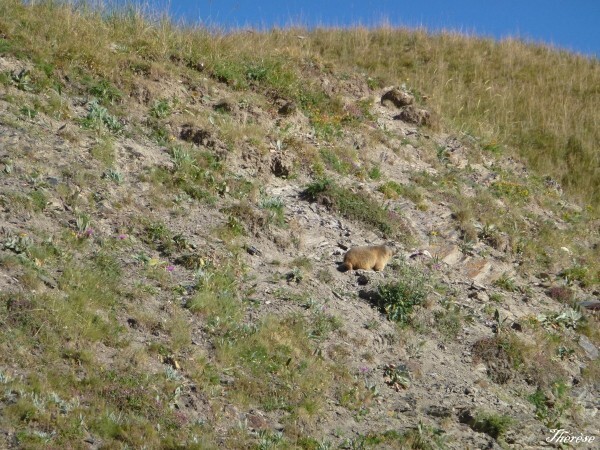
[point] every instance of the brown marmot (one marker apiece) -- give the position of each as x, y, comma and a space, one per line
373, 257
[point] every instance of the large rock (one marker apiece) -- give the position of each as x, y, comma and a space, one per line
414, 115
397, 98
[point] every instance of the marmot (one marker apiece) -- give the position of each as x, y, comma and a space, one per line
373, 257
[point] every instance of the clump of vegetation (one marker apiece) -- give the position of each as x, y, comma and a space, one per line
551, 403
561, 294
391, 189
356, 206
506, 282
99, 118
492, 424
397, 299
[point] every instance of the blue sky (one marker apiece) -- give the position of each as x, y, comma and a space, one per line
568, 24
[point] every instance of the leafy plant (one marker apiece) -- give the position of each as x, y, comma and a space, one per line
568, 318
22, 80
160, 109
398, 298
99, 117
507, 283
114, 175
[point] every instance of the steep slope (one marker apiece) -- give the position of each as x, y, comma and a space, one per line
169, 265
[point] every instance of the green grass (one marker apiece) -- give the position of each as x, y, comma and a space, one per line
359, 207
397, 299
495, 425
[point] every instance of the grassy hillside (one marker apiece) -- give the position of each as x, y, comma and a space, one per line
174, 203
529, 100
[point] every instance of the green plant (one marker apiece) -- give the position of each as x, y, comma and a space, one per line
22, 80
448, 322
398, 298
106, 92
103, 150
28, 112
160, 109
391, 189
375, 172
113, 175
549, 409
568, 318
577, 273
397, 376
355, 206
506, 282
493, 424
276, 208
99, 117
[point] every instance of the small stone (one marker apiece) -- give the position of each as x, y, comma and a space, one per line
252, 250
48, 281
257, 422
226, 380
52, 181
362, 280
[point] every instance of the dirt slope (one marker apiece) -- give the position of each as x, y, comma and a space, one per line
473, 366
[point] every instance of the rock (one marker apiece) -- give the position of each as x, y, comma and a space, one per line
362, 280
438, 411
279, 167
397, 98
198, 136
287, 109
252, 250
256, 421
48, 281
478, 269
593, 305
226, 380
517, 326
590, 349
416, 116
52, 181
450, 254
479, 295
